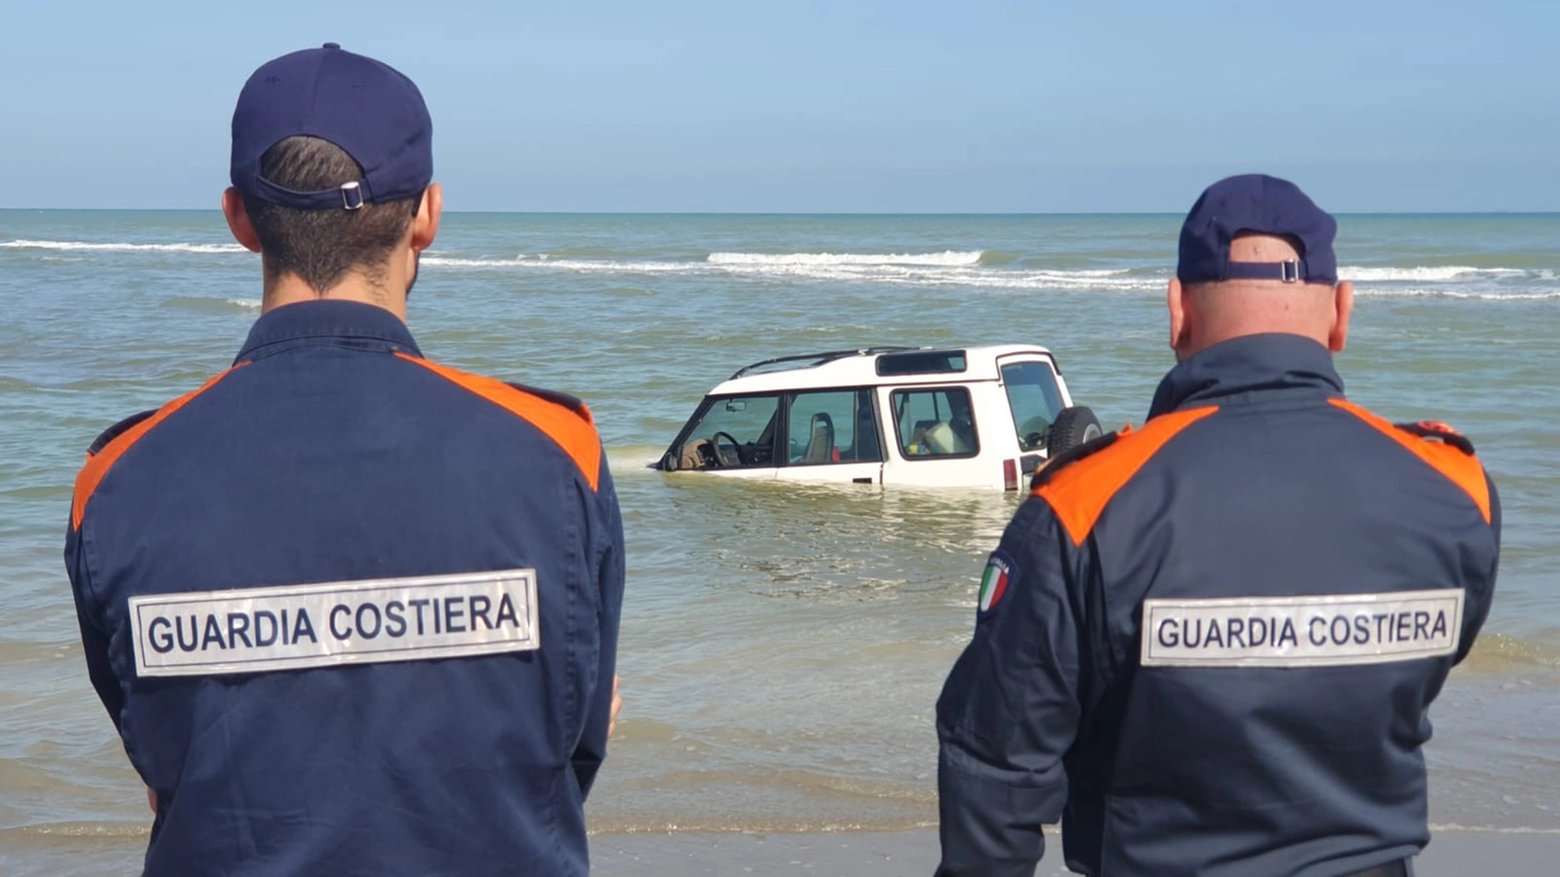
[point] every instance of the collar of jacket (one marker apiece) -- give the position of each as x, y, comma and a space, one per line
368, 326
1249, 364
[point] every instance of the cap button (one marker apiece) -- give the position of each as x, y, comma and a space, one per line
333, 45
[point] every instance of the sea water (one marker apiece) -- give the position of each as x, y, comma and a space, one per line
783, 645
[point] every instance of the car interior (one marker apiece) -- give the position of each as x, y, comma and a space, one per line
820, 442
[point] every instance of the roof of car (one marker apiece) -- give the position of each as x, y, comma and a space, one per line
860, 367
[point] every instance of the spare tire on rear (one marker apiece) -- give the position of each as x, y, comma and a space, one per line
1071, 428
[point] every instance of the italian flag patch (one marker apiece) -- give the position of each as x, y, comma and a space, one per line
999, 574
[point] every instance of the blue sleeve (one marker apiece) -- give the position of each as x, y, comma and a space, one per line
1482, 593
607, 577
1011, 705
94, 635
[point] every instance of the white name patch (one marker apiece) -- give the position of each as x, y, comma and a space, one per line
292, 627
1301, 631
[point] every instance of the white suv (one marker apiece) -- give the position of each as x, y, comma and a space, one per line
933, 417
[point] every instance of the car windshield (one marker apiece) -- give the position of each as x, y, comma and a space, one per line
1035, 399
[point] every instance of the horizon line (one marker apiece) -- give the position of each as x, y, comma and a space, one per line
835, 213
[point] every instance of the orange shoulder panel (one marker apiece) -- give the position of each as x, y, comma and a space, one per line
1079, 493
91, 475
576, 435
1462, 469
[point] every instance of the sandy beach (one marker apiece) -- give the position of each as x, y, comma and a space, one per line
913, 853
892, 854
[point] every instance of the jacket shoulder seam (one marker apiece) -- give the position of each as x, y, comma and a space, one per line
570, 428
119, 438
1080, 492
1450, 461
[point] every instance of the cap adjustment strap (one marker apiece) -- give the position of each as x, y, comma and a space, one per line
352, 195
1290, 271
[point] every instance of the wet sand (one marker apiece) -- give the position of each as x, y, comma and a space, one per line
903, 854
815, 854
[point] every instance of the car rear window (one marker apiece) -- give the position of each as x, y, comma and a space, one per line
1035, 399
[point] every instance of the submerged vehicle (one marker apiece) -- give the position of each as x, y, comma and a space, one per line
933, 417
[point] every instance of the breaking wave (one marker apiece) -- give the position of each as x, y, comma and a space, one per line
971, 269
1422, 292
120, 247
951, 267
947, 258
978, 269
1424, 274
578, 266
1454, 282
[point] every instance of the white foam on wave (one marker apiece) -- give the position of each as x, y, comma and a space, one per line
950, 268
1102, 281
947, 258
250, 303
1424, 292
119, 247
580, 266
453, 262
960, 268
1425, 274
1032, 279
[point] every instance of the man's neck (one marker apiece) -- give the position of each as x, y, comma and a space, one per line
290, 289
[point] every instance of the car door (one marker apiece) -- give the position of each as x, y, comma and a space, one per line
936, 436
832, 435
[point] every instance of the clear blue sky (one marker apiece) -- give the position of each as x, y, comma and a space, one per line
669, 105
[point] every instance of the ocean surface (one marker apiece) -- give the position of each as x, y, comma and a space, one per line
782, 646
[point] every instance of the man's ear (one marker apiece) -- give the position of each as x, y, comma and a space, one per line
1180, 330
1343, 308
425, 225
238, 220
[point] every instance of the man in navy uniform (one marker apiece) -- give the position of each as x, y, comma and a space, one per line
1208, 646
351, 611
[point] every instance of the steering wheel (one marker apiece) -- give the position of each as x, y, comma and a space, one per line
736, 447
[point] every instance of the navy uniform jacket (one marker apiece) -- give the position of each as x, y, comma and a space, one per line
436, 701
1210, 645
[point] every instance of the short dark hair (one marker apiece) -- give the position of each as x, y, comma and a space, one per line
321, 246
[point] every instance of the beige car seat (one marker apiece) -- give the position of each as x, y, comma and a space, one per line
820, 442
944, 441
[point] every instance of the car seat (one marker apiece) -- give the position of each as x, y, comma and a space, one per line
820, 442
942, 440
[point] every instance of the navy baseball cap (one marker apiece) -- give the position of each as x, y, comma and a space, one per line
366, 107
1256, 204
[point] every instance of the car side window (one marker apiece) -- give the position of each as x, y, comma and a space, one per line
934, 422
1033, 395
832, 426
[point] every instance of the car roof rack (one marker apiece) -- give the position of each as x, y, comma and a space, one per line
818, 359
